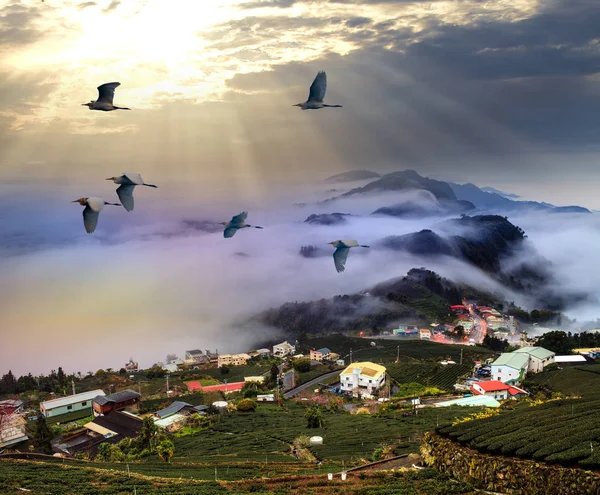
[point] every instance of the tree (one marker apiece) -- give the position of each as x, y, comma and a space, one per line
459, 331
148, 433
274, 373
42, 438
246, 405
110, 452
165, 450
556, 341
314, 416
171, 357
60, 376
8, 384
224, 369
302, 365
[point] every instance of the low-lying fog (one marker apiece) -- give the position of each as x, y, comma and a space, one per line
147, 283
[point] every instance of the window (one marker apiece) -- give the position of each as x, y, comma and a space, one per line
69, 408
84, 403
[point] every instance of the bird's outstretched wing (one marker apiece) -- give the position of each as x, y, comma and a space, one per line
90, 219
125, 193
134, 177
106, 92
229, 232
339, 258
318, 87
240, 218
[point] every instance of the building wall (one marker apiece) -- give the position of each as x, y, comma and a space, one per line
316, 356
537, 365
232, 360
349, 382
505, 373
69, 408
283, 349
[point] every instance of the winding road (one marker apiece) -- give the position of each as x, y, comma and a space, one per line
309, 384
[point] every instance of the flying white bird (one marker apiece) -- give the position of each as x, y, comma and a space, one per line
128, 182
316, 94
237, 222
106, 93
341, 253
93, 207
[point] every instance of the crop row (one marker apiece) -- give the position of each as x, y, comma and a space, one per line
564, 432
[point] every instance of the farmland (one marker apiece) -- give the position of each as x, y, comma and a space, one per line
249, 445
387, 349
565, 432
429, 374
573, 380
61, 479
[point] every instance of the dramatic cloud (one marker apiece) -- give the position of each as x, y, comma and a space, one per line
502, 94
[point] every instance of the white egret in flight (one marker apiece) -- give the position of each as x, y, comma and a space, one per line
341, 253
316, 94
93, 207
237, 222
106, 93
128, 182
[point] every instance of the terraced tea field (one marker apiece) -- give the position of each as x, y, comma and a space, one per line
565, 432
429, 374
54, 478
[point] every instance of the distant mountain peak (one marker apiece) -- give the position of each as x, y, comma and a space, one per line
351, 176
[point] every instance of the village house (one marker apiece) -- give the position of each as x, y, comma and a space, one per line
406, 331
363, 377
75, 406
284, 349
131, 366
497, 390
425, 334
127, 400
320, 354
232, 359
539, 358
195, 357
261, 352
11, 406
510, 367
12, 430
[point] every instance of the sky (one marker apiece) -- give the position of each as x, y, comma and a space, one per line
499, 93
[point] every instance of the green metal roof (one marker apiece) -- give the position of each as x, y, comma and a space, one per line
512, 360
537, 352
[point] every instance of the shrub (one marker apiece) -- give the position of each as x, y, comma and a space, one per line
246, 405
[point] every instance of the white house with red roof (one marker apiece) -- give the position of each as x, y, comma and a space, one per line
497, 390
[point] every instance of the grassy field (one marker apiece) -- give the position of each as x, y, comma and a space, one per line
565, 432
429, 374
62, 479
571, 380
386, 349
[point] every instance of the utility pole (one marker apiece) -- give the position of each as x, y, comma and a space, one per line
73, 385
461, 354
398, 354
350, 356
168, 383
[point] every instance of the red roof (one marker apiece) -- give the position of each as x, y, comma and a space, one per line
516, 391
484, 308
457, 306
229, 387
493, 386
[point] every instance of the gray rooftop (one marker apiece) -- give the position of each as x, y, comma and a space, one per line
122, 396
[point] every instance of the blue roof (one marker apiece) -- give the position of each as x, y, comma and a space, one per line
324, 350
172, 409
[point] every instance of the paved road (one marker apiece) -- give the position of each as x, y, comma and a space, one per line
314, 381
